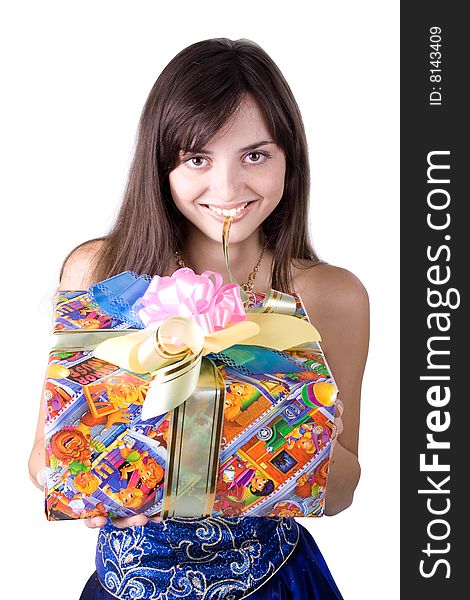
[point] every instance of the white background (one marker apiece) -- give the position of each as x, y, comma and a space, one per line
75, 76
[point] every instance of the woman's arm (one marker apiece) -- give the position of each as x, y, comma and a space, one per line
37, 459
76, 275
338, 306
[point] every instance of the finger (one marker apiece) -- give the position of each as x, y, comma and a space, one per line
339, 427
94, 522
40, 477
156, 519
334, 433
340, 406
134, 521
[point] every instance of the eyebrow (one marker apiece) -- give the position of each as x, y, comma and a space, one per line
244, 149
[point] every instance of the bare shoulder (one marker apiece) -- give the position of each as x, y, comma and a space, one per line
330, 288
334, 298
77, 269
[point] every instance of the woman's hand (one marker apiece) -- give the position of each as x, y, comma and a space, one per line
344, 466
93, 522
338, 422
134, 521
36, 463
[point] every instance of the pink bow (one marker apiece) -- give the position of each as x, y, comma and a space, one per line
212, 305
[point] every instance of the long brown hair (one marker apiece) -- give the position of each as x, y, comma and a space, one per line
194, 97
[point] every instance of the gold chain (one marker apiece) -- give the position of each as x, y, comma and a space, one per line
249, 285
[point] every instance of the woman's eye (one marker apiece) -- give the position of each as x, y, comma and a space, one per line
252, 158
195, 162
256, 157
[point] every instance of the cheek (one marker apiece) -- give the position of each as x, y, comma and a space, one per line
271, 184
184, 189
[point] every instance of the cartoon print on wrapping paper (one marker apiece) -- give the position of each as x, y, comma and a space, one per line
91, 320
279, 449
70, 479
237, 489
82, 314
287, 509
297, 427
241, 368
113, 397
61, 507
86, 482
70, 448
245, 403
241, 485
306, 498
312, 483
109, 393
136, 478
238, 396
109, 400
249, 394
57, 391
56, 398
150, 473
314, 362
131, 475
308, 437
309, 484
161, 434
130, 497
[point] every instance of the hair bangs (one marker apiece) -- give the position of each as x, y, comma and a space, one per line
193, 126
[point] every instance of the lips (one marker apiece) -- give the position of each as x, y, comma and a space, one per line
237, 216
229, 205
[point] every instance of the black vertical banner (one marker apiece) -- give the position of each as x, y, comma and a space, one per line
435, 258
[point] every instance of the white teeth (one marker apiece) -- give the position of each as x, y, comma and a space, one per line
227, 212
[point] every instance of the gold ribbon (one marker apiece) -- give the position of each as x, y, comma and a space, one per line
195, 433
175, 368
174, 354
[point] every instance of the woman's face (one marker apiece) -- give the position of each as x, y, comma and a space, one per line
240, 171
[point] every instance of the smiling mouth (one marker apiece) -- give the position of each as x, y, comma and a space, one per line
228, 212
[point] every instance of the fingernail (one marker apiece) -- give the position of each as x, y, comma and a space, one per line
40, 477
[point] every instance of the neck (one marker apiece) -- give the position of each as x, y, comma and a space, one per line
201, 253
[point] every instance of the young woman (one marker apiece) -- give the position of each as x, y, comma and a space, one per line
221, 134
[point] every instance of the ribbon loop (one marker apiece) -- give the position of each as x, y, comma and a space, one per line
174, 367
187, 316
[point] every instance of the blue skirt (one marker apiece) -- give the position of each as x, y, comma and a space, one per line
304, 576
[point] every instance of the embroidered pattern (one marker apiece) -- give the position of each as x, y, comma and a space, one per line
213, 558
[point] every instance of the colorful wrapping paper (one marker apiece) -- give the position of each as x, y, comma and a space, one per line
259, 446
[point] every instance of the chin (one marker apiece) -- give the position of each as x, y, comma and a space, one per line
238, 231
236, 235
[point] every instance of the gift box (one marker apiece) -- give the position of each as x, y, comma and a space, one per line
152, 408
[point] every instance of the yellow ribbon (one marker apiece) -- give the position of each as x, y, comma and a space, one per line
173, 352
175, 367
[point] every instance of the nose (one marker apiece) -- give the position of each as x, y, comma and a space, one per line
226, 181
